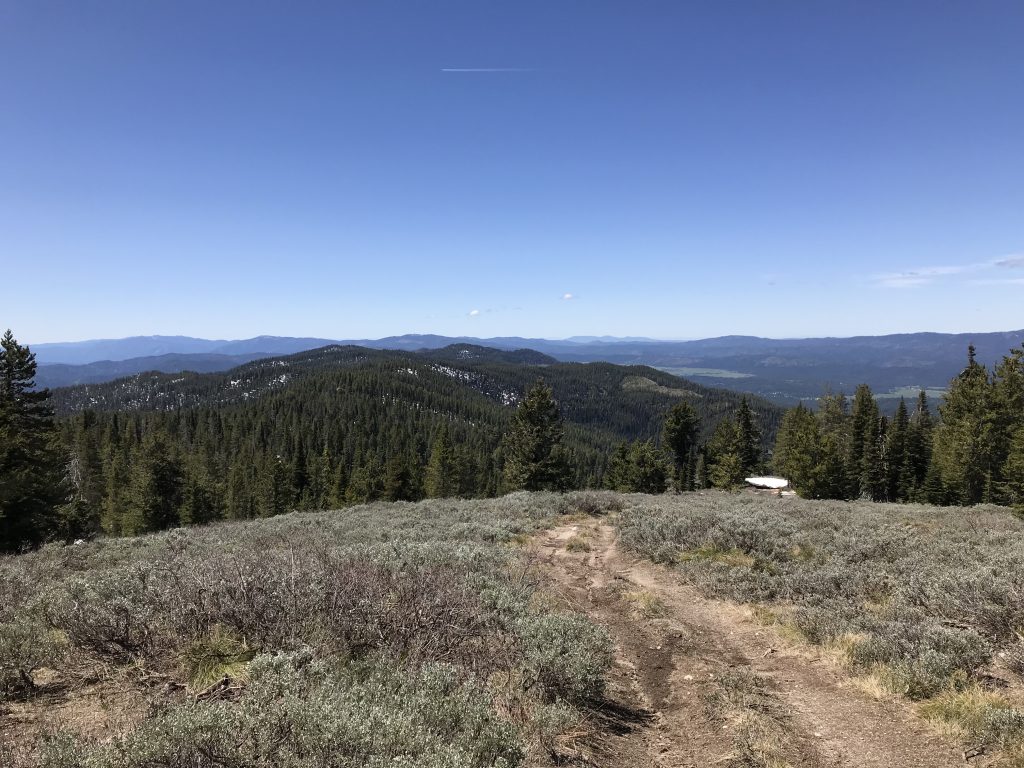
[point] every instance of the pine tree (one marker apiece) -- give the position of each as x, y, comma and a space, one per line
617, 475
154, 495
701, 478
1013, 469
749, 438
638, 468
276, 492
726, 455
864, 455
442, 474
832, 470
963, 446
898, 470
31, 476
201, 501
679, 435
80, 516
115, 499
873, 478
1007, 421
796, 449
533, 457
400, 479
919, 445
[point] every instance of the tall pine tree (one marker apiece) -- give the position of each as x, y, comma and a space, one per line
534, 459
31, 475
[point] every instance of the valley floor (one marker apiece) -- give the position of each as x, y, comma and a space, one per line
700, 682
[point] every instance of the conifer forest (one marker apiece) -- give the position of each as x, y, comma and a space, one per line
347, 425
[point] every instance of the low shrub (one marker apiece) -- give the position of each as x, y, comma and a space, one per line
930, 593
299, 712
565, 655
398, 635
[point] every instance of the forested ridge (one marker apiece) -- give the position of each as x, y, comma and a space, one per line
344, 425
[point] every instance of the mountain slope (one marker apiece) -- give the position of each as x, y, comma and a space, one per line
340, 423
783, 370
65, 375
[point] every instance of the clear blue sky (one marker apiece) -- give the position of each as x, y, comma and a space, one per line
681, 169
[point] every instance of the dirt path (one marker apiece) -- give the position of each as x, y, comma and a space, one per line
698, 682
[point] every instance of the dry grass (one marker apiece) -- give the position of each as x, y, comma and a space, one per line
977, 716
645, 604
760, 725
709, 552
579, 543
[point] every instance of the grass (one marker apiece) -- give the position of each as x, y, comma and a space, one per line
935, 394
712, 553
645, 604
643, 384
711, 373
577, 543
221, 654
975, 715
761, 737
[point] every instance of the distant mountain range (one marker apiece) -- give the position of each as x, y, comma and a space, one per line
783, 370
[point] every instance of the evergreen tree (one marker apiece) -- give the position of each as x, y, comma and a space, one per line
533, 457
201, 501
116, 498
31, 475
276, 491
81, 515
863, 431
919, 444
154, 495
240, 503
963, 446
899, 479
1014, 468
441, 479
400, 479
797, 449
832, 471
726, 455
1007, 420
638, 468
701, 477
617, 475
322, 482
679, 435
872, 463
749, 437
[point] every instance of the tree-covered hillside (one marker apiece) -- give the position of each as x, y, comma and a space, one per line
342, 425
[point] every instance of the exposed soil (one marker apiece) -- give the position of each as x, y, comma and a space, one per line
684, 653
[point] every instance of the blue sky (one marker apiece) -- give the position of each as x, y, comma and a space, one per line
679, 169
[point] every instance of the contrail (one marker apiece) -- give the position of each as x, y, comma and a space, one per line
487, 69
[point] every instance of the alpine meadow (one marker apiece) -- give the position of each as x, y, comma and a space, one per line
518, 384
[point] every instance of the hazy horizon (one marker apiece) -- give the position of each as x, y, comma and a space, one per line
510, 335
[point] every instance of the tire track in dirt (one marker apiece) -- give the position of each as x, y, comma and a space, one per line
673, 671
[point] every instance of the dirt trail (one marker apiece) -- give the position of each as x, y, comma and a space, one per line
681, 693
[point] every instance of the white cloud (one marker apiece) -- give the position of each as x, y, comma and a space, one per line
567, 297
907, 280
474, 313
487, 69
926, 275
1003, 281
